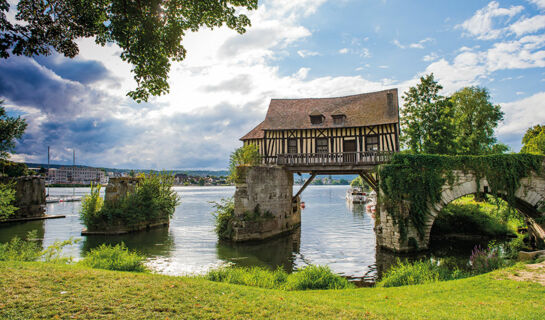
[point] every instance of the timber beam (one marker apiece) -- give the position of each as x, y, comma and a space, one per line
309, 180
368, 177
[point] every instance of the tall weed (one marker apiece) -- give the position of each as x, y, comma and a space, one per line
116, 257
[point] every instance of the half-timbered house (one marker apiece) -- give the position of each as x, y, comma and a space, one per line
344, 130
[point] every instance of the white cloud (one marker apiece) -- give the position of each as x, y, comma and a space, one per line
430, 57
343, 51
301, 74
538, 3
528, 25
307, 53
481, 25
519, 116
416, 45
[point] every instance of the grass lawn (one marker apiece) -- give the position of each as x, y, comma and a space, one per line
39, 290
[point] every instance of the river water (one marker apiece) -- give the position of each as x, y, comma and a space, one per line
332, 233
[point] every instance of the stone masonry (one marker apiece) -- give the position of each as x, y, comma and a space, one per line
29, 196
119, 187
530, 202
263, 204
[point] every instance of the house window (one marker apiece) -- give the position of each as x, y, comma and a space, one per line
371, 143
316, 119
338, 120
292, 145
321, 145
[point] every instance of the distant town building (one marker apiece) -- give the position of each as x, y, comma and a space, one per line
76, 175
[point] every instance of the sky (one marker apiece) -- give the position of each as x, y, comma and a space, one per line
294, 49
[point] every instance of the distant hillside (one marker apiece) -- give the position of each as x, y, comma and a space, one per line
199, 173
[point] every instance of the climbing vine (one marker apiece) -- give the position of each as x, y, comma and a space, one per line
409, 183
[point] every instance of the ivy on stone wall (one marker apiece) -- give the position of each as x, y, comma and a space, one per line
410, 183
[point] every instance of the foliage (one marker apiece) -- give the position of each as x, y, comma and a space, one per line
149, 33
91, 206
534, 140
410, 182
152, 200
485, 260
358, 182
470, 217
418, 272
316, 277
475, 118
308, 278
427, 119
7, 197
247, 155
10, 128
53, 253
224, 215
18, 249
117, 258
13, 169
461, 124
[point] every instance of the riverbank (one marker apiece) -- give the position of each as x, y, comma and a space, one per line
40, 290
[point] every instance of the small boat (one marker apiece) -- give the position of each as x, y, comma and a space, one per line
356, 195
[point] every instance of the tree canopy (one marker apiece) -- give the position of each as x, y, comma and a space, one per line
534, 140
149, 32
461, 124
427, 119
11, 128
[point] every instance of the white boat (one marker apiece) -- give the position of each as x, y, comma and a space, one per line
356, 195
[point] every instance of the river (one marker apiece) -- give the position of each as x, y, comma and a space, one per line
332, 233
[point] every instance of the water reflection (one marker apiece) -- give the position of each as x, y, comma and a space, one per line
151, 243
21, 229
271, 254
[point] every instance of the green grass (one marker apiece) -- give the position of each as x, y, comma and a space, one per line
308, 278
467, 216
419, 272
40, 290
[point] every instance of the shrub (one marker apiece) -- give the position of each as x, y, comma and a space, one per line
247, 155
53, 253
485, 260
7, 197
91, 205
152, 200
419, 272
18, 249
316, 277
114, 258
311, 277
13, 169
224, 215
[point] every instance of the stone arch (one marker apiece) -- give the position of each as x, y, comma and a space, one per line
530, 197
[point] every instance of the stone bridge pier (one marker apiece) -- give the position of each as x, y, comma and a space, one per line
264, 203
530, 202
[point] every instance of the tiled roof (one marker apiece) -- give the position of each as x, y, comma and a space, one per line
360, 110
256, 133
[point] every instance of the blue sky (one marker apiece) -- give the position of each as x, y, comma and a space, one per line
295, 49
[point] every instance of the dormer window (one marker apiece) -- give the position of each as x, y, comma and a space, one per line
338, 119
316, 118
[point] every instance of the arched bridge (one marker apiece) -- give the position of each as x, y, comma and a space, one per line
398, 231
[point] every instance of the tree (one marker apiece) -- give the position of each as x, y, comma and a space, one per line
475, 118
534, 140
427, 119
10, 129
148, 32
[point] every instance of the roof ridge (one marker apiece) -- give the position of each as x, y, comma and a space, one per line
349, 96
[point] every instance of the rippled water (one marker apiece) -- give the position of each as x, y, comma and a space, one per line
332, 233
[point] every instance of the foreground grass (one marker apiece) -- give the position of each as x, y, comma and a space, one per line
39, 290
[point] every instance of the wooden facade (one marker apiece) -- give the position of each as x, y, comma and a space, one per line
342, 128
